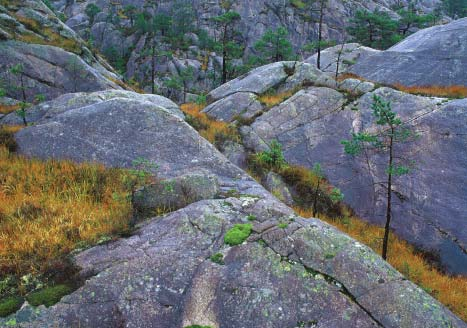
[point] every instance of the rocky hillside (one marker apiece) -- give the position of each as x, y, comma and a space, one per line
112, 30
188, 268
311, 124
54, 59
431, 57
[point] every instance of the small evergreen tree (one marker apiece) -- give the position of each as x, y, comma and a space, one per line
386, 141
274, 46
227, 44
374, 29
91, 11
455, 8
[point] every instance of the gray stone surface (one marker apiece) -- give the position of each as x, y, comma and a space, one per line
49, 71
290, 272
428, 211
276, 185
356, 87
54, 58
305, 273
49, 109
169, 195
240, 104
279, 76
430, 57
348, 55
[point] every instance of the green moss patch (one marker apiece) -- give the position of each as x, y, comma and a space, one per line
48, 296
238, 234
217, 258
10, 305
198, 326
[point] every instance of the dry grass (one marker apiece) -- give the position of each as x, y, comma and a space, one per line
451, 291
215, 131
48, 209
272, 99
453, 91
7, 109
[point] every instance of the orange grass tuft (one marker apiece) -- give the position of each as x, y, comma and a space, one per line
453, 91
272, 99
7, 109
212, 130
48, 209
451, 291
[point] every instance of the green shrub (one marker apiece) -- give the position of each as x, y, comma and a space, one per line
238, 234
272, 158
48, 296
10, 305
217, 258
283, 225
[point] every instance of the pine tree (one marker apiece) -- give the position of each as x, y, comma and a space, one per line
386, 141
274, 46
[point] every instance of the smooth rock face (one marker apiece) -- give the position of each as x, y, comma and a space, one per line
428, 211
306, 273
435, 56
116, 128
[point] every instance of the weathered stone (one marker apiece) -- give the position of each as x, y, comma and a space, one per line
435, 56
162, 277
49, 71
356, 87
47, 110
274, 183
235, 153
238, 105
173, 194
427, 212
348, 55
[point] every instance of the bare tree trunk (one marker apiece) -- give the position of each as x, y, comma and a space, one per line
389, 196
315, 201
320, 32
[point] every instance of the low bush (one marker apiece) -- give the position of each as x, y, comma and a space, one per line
10, 305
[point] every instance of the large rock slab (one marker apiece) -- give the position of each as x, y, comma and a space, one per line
49, 70
116, 128
286, 75
347, 54
428, 211
436, 56
307, 274
63, 103
238, 105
